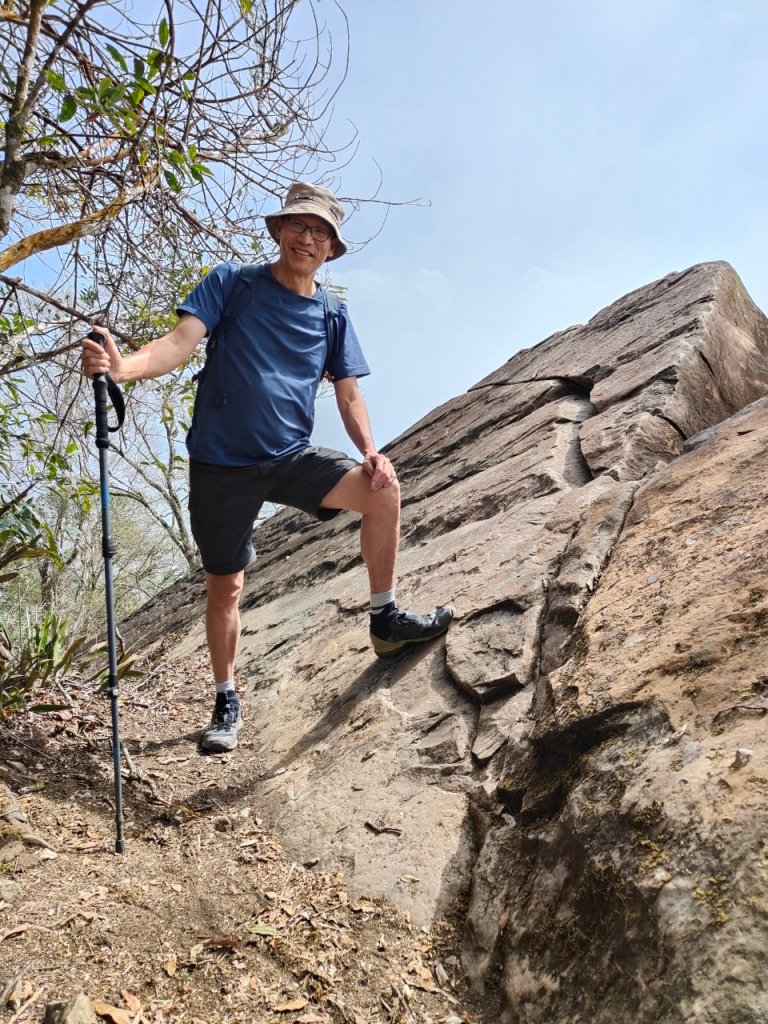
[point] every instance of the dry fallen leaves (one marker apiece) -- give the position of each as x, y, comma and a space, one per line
220, 943
425, 984
113, 1014
293, 1004
131, 1001
87, 896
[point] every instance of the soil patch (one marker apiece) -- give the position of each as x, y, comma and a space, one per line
205, 919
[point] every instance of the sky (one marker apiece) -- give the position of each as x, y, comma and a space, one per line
562, 153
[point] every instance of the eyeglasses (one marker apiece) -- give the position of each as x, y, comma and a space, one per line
298, 227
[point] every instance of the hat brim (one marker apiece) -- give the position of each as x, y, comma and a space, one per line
307, 207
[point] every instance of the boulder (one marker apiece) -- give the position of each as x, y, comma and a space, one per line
576, 771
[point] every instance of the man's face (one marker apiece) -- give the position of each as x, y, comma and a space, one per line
299, 251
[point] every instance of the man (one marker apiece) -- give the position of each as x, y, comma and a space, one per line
249, 441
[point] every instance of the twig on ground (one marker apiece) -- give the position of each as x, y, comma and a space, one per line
133, 772
287, 880
19, 976
23, 1009
67, 694
150, 675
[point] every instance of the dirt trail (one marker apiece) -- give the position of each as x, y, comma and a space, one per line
205, 919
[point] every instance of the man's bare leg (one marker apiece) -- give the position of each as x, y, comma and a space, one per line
391, 630
222, 625
222, 622
380, 528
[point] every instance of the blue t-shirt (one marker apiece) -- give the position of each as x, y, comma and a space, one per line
256, 396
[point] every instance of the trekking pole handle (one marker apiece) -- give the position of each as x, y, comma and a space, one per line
100, 394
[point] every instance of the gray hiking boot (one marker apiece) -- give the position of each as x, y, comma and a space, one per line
226, 723
393, 630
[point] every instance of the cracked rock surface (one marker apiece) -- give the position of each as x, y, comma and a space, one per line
561, 770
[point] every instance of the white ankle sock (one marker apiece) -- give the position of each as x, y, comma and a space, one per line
226, 686
379, 601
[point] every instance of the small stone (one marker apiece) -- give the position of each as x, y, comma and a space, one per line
76, 1011
10, 892
11, 851
742, 757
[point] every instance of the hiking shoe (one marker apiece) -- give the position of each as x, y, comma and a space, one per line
393, 631
226, 723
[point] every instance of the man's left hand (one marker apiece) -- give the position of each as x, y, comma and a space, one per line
380, 470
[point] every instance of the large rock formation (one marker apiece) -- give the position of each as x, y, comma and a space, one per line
578, 769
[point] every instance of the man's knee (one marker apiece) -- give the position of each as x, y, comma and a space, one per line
386, 500
224, 591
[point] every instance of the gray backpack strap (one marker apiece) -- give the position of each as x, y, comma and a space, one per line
332, 304
243, 294
239, 299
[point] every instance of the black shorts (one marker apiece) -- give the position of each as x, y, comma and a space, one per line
224, 501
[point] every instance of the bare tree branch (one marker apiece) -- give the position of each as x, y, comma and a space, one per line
16, 282
63, 234
11, 176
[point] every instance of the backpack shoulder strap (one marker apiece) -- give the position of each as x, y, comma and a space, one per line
332, 304
239, 298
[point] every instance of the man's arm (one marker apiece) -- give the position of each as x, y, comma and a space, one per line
152, 360
354, 416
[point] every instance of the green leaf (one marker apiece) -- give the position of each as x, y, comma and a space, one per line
263, 929
139, 70
68, 107
115, 94
45, 709
154, 60
172, 180
56, 81
198, 171
118, 57
163, 34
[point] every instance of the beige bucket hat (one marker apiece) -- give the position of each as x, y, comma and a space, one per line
305, 198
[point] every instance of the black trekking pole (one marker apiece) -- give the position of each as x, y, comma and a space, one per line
101, 384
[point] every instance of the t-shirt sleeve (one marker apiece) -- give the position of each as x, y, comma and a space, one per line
206, 300
348, 360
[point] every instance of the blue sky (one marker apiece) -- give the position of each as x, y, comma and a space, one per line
569, 152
